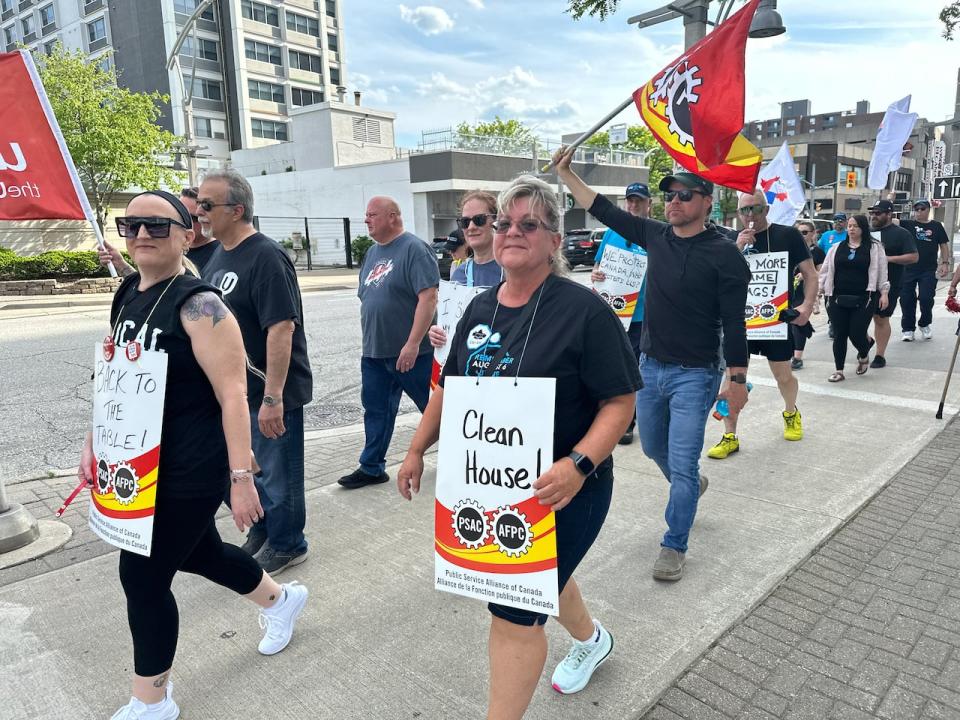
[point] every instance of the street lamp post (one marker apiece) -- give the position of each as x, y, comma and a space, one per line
766, 22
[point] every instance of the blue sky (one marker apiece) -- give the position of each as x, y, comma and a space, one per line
446, 61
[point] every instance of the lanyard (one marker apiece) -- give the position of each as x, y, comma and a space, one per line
508, 340
133, 348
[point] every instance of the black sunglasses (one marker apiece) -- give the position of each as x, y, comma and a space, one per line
682, 195
479, 220
157, 227
805, 232
208, 206
502, 226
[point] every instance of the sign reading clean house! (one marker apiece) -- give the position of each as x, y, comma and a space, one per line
767, 295
494, 541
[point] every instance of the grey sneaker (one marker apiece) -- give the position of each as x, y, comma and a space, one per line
704, 484
255, 540
669, 566
275, 562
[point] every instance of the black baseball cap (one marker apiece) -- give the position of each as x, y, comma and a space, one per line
882, 206
637, 190
922, 202
694, 182
840, 217
455, 240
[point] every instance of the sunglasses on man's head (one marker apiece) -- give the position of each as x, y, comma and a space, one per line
479, 220
208, 206
681, 195
157, 227
751, 209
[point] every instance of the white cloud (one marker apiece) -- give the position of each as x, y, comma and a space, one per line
478, 4
441, 87
523, 109
428, 19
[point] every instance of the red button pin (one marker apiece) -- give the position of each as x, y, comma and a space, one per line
133, 351
109, 348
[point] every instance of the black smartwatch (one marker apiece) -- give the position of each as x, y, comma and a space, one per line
584, 464
740, 378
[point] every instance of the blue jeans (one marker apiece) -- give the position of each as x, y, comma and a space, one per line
672, 411
380, 387
922, 283
280, 483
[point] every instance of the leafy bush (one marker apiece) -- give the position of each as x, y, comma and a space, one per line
359, 247
65, 264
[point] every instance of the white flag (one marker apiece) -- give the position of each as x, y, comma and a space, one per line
782, 186
894, 133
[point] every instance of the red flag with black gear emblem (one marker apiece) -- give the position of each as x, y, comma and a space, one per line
694, 106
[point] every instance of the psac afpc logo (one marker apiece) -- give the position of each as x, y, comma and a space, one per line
19, 163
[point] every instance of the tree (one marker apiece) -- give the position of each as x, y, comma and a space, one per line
111, 132
950, 17
640, 139
497, 127
510, 137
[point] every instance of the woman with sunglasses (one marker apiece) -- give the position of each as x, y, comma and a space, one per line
808, 231
549, 326
206, 450
853, 278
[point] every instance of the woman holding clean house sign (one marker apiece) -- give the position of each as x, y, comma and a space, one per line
573, 336
205, 441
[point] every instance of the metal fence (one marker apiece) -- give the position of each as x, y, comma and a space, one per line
313, 242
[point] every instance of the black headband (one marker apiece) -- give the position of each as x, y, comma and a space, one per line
178, 205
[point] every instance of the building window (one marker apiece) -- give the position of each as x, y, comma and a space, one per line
302, 96
791, 133
305, 61
849, 124
210, 128
187, 7
28, 25
207, 89
50, 46
260, 90
792, 122
262, 52
10, 35
331, 8
813, 121
332, 43
103, 64
334, 76
260, 13
303, 24
204, 49
47, 16
6, 5
269, 129
97, 30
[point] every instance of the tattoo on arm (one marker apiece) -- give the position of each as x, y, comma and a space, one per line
205, 304
160, 681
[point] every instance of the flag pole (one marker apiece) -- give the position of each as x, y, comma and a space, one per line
592, 131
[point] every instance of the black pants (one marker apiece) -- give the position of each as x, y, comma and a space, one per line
185, 538
850, 324
799, 337
633, 334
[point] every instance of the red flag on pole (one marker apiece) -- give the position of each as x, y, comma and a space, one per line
37, 178
694, 106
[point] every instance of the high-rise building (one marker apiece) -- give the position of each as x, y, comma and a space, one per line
249, 62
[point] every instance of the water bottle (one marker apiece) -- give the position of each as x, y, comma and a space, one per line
723, 409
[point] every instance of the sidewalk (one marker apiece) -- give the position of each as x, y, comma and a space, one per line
377, 641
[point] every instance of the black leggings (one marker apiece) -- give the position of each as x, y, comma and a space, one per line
850, 324
185, 538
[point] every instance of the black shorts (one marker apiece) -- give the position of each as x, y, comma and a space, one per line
773, 350
892, 297
578, 525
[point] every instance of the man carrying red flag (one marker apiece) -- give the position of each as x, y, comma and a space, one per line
696, 284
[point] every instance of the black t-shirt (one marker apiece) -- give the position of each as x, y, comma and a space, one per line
695, 287
850, 275
199, 256
575, 338
818, 256
259, 284
896, 241
193, 451
929, 236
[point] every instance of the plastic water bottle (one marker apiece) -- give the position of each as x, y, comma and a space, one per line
723, 409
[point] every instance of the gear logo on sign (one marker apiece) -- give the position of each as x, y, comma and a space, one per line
103, 478
750, 312
675, 88
125, 484
469, 524
768, 311
511, 531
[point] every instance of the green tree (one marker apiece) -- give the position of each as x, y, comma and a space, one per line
950, 17
111, 132
640, 139
497, 127
509, 137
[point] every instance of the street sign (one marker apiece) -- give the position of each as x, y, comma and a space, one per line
946, 188
618, 134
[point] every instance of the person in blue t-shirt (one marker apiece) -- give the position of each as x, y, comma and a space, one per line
638, 204
835, 236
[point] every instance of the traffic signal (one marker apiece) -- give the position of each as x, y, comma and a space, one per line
851, 180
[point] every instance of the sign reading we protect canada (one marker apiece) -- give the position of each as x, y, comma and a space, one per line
452, 301
767, 295
127, 420
624, 272
494, 541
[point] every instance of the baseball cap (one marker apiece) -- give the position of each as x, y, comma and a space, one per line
883, 206
840, 217
638, 190
454, 241
694, 182
922, 202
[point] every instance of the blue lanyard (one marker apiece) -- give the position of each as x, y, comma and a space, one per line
469, 272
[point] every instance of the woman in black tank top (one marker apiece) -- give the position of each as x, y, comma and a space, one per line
205, 440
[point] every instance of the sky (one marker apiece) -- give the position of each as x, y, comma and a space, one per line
450, 61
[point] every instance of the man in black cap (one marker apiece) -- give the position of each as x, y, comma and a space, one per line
638, 201
901, 251
920, 280
697, 286
835, 236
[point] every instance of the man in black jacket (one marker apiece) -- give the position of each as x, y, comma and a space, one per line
696, 286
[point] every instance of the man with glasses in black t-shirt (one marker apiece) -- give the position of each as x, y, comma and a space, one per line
901, 251
920, 279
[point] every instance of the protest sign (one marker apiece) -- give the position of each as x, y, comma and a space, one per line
452, 301
624, 272
767, 295
494, 541
127, 420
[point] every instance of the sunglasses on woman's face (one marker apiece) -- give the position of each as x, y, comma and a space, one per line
157, 227
479, 220
528, 226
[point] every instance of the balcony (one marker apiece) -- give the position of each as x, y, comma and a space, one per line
24, 4
47, 29
29, 38
306, 76
303, 39
92, 6
97, 44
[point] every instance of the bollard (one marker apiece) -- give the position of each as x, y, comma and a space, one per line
17, 526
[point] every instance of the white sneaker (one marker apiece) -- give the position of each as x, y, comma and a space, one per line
908, 335
279, 620
166, 709
575, 670
926, 331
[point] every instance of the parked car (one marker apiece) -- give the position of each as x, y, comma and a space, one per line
443, 257
580, 246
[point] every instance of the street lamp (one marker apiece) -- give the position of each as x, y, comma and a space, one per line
766, 22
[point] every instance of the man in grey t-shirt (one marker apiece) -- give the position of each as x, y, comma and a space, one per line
398, 301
